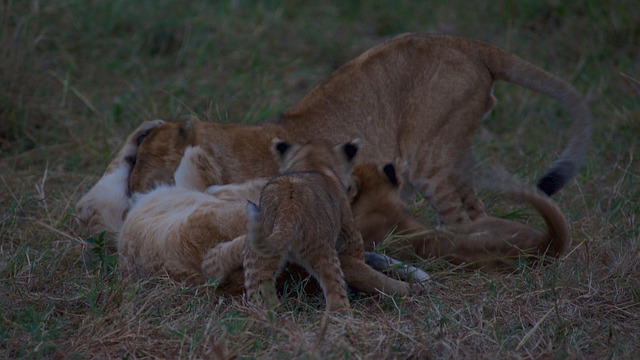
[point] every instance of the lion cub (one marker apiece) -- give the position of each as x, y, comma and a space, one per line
305, 218
174, 228
486, 242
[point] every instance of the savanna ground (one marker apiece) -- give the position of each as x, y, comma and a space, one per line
77, 76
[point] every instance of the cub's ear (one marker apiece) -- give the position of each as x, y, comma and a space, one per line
350, 149
279, 147
390, 172
282, 147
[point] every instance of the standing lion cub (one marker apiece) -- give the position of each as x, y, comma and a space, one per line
305, 217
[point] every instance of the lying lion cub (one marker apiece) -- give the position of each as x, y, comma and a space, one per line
305, 218
171, 229
486, 242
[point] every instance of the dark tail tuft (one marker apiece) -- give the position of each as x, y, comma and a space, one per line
556, 177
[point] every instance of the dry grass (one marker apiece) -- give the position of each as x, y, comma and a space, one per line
77, 76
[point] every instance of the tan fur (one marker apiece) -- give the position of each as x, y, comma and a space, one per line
172, 229
485, 242
305, 218
417, 97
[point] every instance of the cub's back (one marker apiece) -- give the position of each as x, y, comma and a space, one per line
308, 197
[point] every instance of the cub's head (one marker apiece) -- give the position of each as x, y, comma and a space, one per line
316, 155
377, 205
160, 152
375, 189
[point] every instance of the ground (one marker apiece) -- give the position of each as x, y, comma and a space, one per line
77, 76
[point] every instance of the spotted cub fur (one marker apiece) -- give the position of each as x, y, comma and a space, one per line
304, 217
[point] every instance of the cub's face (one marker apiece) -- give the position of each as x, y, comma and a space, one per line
376, 204
374, 188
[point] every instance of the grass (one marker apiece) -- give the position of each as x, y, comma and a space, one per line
77, 76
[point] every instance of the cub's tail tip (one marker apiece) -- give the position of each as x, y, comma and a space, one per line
252, 212
255, 232
557, 177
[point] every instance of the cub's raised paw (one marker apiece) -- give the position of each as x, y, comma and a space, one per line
196, 170
417, 277
223, 259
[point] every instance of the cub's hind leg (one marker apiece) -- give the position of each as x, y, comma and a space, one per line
389, 265
364, 278
352, 261
454, 200
223, 259
323, 263
259, 277
472, 205
438, 152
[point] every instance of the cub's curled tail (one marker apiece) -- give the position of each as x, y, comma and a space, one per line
557, 240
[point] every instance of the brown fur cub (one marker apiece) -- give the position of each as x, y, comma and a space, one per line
305, 218
486, 242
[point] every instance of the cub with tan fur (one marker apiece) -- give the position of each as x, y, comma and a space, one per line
486, 242
172, 229
305, 218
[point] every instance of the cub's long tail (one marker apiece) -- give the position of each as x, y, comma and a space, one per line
509, 67
495, 176
266, 245
557, 225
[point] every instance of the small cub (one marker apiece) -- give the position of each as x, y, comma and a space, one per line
302, 213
